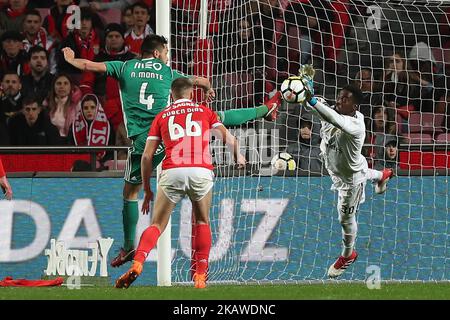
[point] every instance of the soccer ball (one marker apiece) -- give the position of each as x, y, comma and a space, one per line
283, 161
293, 90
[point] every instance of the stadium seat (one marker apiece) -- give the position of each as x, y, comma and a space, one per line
432, 122
419, 138
414, 122
438, 54
426, 122
443, 138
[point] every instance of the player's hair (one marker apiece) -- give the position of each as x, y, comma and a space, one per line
357, 95
37, 49
151, 43
180, 86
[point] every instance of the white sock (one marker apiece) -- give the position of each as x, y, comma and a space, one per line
374, 175
349, 230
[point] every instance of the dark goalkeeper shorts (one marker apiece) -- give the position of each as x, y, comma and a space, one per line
133, 166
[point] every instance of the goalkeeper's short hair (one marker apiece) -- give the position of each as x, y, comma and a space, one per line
357, 94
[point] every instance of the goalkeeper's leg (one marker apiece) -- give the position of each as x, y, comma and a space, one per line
380, 178
348, 204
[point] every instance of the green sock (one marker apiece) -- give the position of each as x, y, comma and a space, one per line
130, 218
236, 117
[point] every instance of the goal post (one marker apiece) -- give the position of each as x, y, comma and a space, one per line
283, 226
164, 245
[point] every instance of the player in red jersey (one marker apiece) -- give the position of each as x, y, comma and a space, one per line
185, 129
4, 184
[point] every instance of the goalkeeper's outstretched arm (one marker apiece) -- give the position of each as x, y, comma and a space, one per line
326, 113
331, 116
82, 64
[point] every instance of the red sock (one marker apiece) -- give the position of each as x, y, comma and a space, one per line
147, 242
203, 246
193, 248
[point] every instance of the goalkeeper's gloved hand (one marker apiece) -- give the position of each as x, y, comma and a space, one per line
307, 70
306, 73
309, 88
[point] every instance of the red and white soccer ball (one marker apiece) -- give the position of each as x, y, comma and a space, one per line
293, 90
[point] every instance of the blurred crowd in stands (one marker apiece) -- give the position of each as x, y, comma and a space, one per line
255, 45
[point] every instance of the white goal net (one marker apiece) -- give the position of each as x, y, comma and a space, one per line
284, 227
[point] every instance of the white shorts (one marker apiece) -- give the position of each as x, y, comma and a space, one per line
349, 199
194, 182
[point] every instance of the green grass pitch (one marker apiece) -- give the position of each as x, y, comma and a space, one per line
401, 291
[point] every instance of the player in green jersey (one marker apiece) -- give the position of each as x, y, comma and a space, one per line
144, 89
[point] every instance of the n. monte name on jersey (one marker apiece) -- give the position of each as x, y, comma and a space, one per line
157, 66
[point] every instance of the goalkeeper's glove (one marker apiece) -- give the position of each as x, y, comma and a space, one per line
309, 88
307, 72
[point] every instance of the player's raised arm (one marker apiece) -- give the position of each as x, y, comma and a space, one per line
82, 64
342, 116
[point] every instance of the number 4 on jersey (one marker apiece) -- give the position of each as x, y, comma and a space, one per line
146, 101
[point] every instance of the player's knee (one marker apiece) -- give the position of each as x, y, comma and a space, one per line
349, 225
201, 216
347, 219
130, 191
160, 225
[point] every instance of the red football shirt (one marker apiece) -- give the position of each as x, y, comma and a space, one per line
184, 128
134, 42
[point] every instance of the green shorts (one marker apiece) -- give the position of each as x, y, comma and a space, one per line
133, 166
